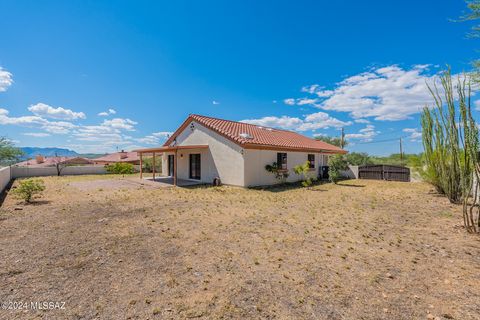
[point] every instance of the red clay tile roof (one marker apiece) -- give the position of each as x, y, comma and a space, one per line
51, 161
117, 157
249, 135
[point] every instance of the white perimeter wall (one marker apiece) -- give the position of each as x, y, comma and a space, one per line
223, 158
24, 172
4, 177
256, 160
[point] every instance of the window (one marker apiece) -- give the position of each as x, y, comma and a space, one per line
282, 161
311, 161
195, 166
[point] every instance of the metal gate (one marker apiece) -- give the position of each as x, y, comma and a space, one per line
384, 172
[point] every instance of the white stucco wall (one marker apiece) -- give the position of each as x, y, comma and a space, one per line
24, 172
4, 177
223, 158
256, 160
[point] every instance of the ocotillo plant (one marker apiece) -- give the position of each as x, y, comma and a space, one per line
451, 146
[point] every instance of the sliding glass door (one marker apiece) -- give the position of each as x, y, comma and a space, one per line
195, 166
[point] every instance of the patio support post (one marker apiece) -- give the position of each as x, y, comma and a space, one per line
141, 166
175, 169
153, 166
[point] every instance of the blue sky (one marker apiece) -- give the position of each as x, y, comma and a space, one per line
310, 66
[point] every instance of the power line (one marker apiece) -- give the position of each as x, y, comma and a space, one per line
380, 141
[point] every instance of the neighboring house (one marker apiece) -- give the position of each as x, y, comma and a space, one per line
122, 156
42, 162
204, 148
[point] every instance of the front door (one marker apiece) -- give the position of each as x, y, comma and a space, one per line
195, 166
170, 164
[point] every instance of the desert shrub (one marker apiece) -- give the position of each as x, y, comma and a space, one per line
120, 168
336, 164
148, 164
280, 174
304, 170
28, 189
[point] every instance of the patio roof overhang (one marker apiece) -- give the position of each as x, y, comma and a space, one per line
160, 150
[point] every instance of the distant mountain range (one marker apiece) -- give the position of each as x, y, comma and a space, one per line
31, 152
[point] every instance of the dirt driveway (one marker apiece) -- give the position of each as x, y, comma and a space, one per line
361, 250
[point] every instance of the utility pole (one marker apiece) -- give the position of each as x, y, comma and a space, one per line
342, 139
401, 152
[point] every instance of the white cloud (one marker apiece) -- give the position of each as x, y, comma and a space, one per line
119, 123
388, 93
44, 110
107, 113
366, 134
283, 122
476, 104
415, 134
24, 120
155, 138
319, 120
215, 102
361, 121
162, 134
5, 79
59, 127
37, 134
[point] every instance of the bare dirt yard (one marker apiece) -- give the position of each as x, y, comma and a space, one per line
359, 250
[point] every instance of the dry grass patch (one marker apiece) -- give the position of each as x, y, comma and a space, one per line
362, 250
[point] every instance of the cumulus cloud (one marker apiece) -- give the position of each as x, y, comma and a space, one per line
215, 102
366, 134
59, 127
361, 121
319, 120
44, 110
155, 138
107, 113
37, 134
119, 123
389, 93
6, 79
415, 135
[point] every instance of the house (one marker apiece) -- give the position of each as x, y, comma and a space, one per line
42, 162
122, 156
205, 148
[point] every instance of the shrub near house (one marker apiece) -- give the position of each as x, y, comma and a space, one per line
120, 168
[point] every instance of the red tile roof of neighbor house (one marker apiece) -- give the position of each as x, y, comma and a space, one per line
253, 136
40, 162
123, 156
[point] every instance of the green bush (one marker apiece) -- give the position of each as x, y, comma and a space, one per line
28, 188
280, 174
120, 168
304, 170
336, 164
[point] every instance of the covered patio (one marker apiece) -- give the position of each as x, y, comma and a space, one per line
172, 177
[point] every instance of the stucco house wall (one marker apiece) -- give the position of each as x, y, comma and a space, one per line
223, 158
256, 160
